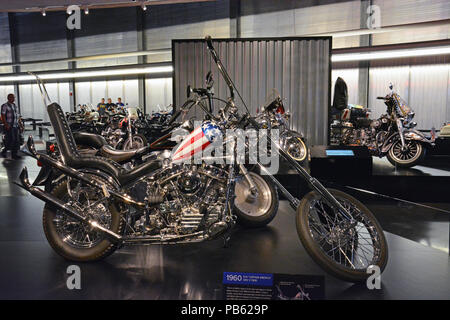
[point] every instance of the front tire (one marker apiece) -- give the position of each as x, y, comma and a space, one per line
71, 239
259, 211
342, 249
411, 156
137, 141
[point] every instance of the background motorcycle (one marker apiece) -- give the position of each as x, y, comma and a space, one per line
274, 116
392, 135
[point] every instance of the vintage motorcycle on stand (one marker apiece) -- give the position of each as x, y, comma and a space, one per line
392, 135
97, 206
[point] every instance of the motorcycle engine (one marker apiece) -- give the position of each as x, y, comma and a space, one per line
194, 198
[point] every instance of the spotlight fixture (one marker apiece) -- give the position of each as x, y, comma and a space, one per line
86, 10
143, 6
43, 12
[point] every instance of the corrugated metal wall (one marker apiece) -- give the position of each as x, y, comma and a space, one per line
298, 68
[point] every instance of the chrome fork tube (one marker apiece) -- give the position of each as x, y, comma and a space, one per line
249, 179
400, 132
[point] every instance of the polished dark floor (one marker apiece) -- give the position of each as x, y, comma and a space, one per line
418, 267
431, 166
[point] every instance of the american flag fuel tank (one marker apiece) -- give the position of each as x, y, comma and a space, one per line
197, 141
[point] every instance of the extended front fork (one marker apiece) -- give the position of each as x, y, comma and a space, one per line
313, 182
253, 190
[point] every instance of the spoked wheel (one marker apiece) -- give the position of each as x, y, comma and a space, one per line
344, 248
408, 156
137, 141
255, 210
296, 148
75, 240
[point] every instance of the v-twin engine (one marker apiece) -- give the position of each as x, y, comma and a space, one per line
194, 200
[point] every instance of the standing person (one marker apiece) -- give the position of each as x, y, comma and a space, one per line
101, 107
10, 118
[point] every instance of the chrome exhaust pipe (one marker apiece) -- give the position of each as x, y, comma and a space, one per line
68, 210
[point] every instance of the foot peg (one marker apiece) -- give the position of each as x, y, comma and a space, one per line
24, 178
30, 146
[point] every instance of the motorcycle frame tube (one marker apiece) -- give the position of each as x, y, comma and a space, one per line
47, 160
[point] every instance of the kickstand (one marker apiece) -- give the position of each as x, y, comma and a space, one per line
226, 240
227, 237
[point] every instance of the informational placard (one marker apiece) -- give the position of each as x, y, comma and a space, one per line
272, 286
342, 153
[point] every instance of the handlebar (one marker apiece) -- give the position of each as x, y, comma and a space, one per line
381, 98
209, 42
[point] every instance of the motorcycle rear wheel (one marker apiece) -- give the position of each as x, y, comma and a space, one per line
343, 250
82, 244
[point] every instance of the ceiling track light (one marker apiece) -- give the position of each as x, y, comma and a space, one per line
43, 12
390, 54
89, 74
86, 10
143, 6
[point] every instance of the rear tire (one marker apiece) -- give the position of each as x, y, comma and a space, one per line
70, 251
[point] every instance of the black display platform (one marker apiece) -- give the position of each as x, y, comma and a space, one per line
31, 270
427, 182
340, 161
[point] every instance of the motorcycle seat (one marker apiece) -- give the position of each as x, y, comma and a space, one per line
98, 142
72, 158
89, 139
122, 155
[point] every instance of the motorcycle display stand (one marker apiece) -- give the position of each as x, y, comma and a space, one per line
340, 161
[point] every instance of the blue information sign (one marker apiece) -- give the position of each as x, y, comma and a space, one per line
344, 153
253, 279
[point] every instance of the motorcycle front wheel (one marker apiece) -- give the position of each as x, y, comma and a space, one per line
137, 141
406, 157
255, 211
343, 248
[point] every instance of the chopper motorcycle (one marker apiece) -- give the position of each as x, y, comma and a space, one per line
98, 207
392, 135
